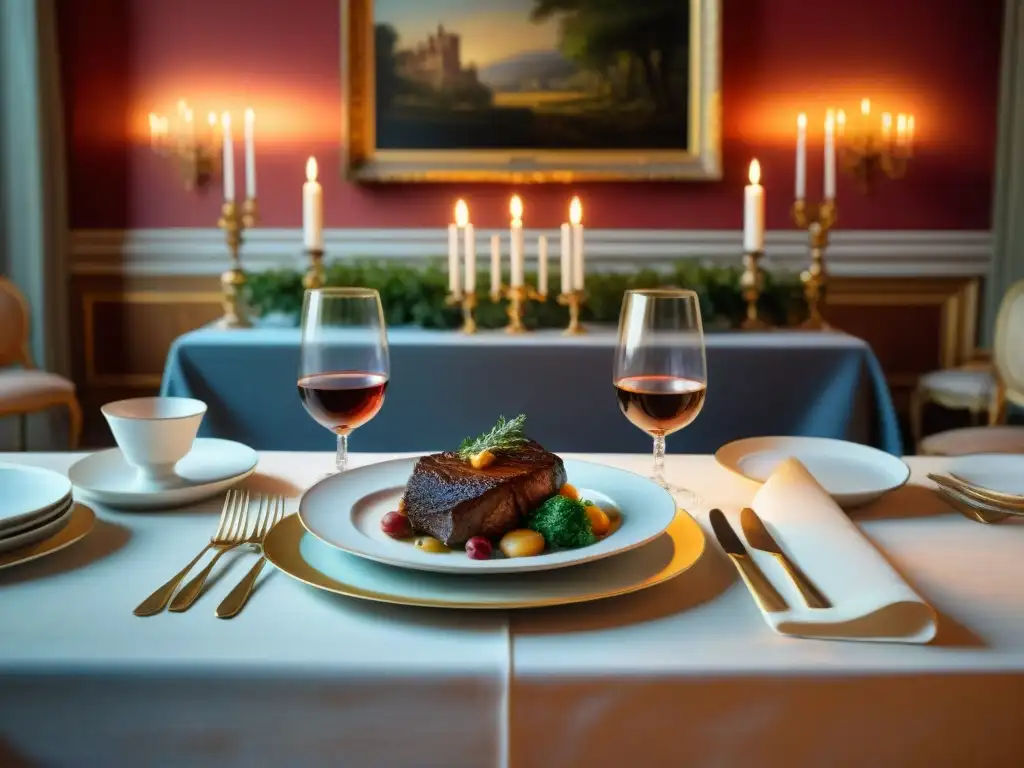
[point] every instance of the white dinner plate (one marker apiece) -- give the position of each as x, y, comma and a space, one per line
851, 473
302, 556
211, 467
40, 532
345, 511
999, 472
80, 522
27, 493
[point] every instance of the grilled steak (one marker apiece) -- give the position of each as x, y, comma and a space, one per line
447, 499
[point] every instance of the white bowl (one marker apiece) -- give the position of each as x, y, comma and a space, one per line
155, 433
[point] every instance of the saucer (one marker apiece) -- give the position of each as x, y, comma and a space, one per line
851, 473
212, 466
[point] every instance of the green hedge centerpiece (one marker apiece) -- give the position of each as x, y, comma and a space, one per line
416, 295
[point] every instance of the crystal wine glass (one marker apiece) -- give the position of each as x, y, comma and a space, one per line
344, 363
660, 372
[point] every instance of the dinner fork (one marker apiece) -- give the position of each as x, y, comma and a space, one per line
231, 526
234, 537
270, 514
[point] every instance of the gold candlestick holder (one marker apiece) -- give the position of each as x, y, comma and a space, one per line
574, 301
232, 282
817, 220
517, 296
752, 283
314, 277
468, 303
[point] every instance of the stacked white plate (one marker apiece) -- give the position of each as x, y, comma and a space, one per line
35, 504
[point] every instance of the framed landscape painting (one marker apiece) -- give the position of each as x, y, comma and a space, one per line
531, 90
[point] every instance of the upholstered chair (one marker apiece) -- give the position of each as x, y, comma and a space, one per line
979, 389
23, 388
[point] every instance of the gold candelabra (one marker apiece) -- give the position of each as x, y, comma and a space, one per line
194, 148
817, 220
517, 296
868, 154
314, 277
466, 300
752, 283
232, 282
574, 301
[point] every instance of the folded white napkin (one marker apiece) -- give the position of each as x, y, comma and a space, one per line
869, 599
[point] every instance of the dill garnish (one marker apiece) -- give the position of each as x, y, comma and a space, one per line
504, 437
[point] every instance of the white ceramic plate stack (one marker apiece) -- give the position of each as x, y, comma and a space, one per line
35, 504
335, 543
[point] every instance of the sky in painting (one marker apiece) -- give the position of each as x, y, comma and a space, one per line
491, 30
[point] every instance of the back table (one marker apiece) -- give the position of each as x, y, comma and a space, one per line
445, 386
686, 673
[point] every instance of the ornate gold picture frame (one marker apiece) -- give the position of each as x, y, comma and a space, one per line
427, 85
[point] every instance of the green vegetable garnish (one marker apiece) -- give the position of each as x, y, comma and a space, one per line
505, 437
563, 522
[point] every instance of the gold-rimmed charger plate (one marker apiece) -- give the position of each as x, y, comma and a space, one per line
81, 523
309, 560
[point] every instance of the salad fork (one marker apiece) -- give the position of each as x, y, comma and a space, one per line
270, 514
234, 537
230, 528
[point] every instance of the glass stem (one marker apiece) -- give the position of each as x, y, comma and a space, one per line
341, 457
659, 459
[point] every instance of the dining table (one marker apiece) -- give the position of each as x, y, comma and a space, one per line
683, 673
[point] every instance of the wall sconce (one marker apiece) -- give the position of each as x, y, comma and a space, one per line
867, 152
195, 149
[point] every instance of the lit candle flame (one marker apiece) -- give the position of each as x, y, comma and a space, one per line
801, 121
755, 172
910, 127
865, 107
841, 121
575, 212
461, 214
188, 115
250, 116
516, 208
830, 120
311, 169
225, 121
154, 123
212, 119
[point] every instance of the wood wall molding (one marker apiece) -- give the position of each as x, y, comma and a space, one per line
853, 253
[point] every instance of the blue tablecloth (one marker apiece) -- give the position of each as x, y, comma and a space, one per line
445, 386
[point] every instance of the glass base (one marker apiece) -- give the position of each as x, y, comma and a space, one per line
684, 497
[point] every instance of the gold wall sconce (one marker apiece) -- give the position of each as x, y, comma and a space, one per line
195, 149
872, 149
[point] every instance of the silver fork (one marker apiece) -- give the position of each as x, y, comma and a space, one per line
234, 537
231, 525
270, 514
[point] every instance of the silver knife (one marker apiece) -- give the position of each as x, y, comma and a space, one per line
759, 537
769, 598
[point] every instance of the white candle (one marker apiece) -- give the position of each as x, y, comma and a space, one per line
453, 260
576, 219
312, 209
516, 232
250, 154
566, 260
542, 265
901, 129
495, 265
910, 133
470, 259
229, 158
753, 211
830, 156
801, 156
154, 131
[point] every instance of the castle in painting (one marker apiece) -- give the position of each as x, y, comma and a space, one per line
436, 62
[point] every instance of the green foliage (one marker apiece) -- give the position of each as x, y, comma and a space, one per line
504, 437
416, 296
563, 522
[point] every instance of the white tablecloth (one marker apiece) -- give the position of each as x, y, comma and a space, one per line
683, 674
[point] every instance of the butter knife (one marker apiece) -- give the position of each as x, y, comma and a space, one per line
759, 537
765, 594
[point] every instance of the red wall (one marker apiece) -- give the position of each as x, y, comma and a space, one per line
125, 58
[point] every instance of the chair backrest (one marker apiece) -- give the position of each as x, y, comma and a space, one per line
1008, 352
13, 326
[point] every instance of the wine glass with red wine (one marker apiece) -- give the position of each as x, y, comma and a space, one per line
344, 363
660, 368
